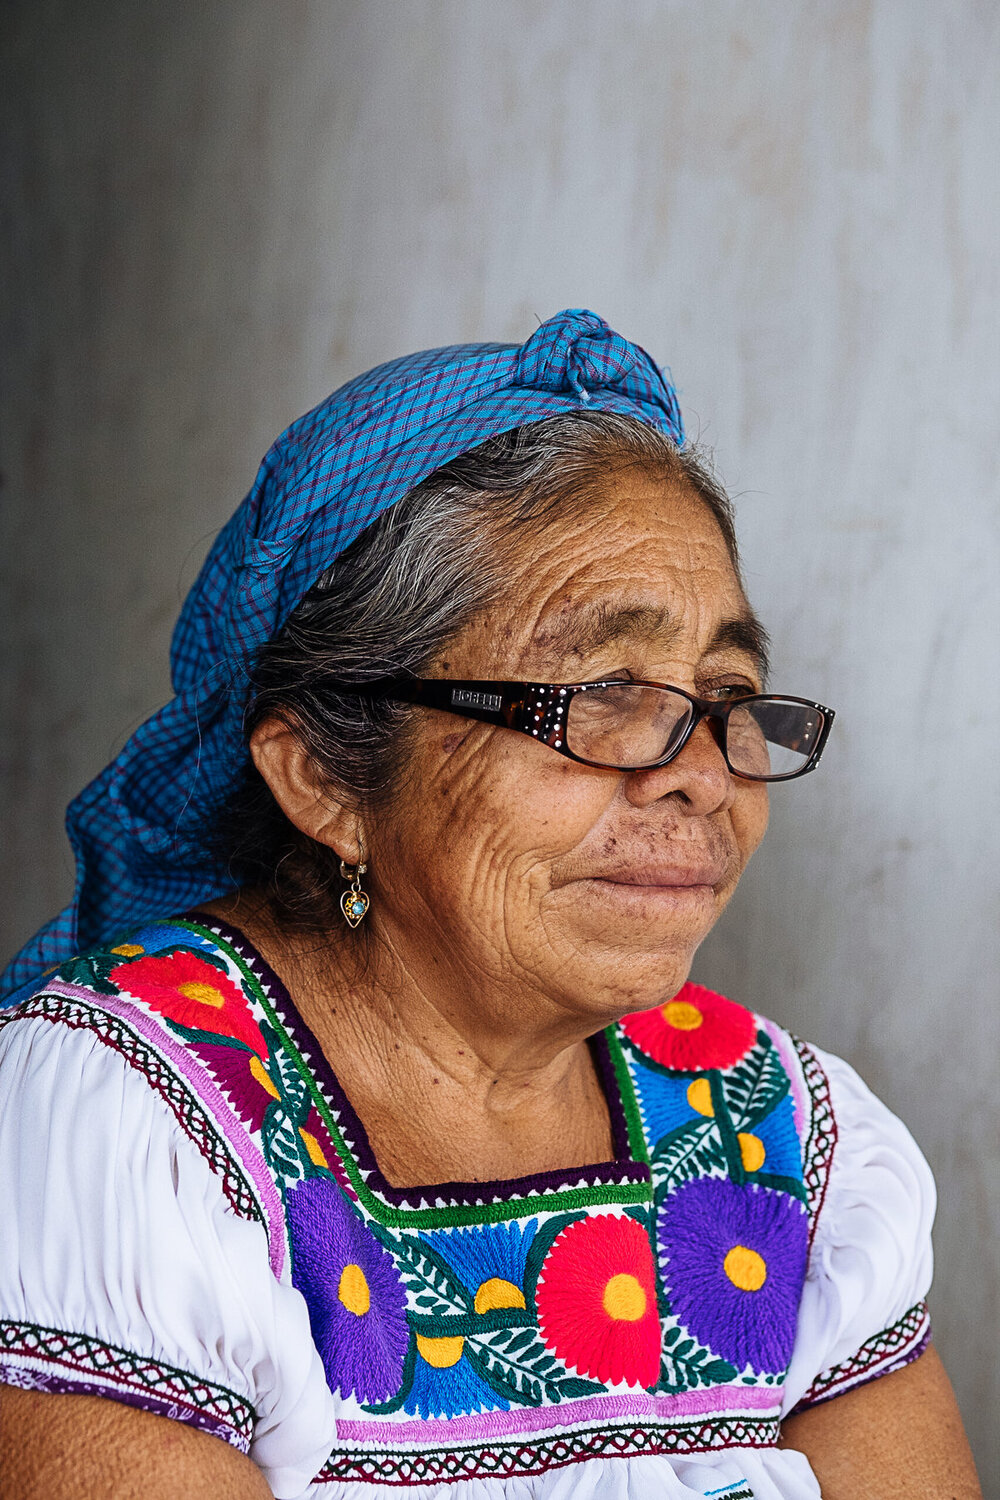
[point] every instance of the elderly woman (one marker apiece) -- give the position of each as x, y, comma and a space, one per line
378, 1132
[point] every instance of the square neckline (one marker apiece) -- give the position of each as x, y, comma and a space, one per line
625, 1178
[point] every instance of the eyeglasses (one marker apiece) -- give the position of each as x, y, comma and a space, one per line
629, 726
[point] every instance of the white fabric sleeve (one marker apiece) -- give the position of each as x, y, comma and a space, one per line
863, 1312
124, 1271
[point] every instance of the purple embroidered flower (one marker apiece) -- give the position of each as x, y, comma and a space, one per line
356, 1301
734, 1260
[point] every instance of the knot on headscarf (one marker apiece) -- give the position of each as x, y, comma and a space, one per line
139, 830
575, 351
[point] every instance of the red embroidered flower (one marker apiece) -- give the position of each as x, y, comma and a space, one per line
186, 989
596, 1301
696, 1029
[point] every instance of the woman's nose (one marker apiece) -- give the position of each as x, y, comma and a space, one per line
698, 777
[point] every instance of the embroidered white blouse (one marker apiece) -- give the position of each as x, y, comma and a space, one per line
194, 1223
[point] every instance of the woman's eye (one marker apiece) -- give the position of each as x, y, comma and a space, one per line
727, 691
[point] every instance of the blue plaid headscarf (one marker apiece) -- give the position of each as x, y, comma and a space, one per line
138, 830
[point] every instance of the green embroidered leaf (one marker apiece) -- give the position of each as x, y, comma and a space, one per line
640, 1213
91, 971
686, 1365
282, 1142
524, 1376
570, 1389
522, 1340
512, 1381
292, 1086
213, 1038
434, 1284
755, 1085
520, 1367
790, 1185
694, 1150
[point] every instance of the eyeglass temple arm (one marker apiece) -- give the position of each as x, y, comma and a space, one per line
491, 702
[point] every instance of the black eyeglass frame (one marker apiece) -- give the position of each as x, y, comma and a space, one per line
540, 709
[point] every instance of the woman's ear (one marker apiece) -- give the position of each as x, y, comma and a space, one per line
304, 795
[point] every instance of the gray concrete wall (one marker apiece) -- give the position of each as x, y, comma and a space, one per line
221, 211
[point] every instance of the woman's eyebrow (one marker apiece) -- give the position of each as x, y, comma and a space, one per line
745, 633
599, 625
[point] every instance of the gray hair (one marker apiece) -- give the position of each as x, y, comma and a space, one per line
397, 595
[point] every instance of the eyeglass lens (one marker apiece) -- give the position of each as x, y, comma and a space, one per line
630, 726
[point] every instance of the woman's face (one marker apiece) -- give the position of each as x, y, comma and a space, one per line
513, 870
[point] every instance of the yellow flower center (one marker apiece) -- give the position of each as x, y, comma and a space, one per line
682, 1015
624, 1299
745, 1268
699, 1096
353, 1290
129, 950
441, 1353
258, 1071
752, 1151
498, 1293
205, 994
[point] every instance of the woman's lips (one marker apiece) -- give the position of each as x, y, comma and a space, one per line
665, 879
646, 901
646, 893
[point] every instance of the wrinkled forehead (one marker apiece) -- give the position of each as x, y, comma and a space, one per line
642, 570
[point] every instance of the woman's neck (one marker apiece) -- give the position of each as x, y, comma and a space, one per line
445, 1091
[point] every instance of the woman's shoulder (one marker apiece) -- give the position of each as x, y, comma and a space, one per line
723, 1092
144, 1199
137, 954
171, 981
170, 1007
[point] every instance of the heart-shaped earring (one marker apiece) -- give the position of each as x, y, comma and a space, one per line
354, 903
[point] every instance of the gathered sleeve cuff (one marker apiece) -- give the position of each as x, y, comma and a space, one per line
863, 1311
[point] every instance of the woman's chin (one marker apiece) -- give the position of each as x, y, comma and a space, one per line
610, 979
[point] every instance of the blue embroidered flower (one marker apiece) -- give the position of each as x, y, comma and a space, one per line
777, 1149
488, 1259
356, 1299
666, 1103
445, 1384
160, 937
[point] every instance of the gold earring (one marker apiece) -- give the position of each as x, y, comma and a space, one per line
354, 903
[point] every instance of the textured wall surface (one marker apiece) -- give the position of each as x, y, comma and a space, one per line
221, 211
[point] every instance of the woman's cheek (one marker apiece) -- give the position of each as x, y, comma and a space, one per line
553, 807
751, 809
